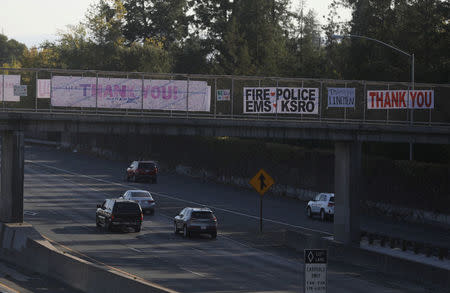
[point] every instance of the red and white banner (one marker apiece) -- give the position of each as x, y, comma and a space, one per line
400, 99
43, 88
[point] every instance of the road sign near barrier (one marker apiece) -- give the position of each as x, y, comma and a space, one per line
315, 270
262, 181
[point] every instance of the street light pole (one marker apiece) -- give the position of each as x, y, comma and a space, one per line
412, 72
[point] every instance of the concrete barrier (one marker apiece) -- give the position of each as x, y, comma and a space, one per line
395, 266
25, 247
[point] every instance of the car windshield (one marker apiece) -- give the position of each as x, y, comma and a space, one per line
202, 215
141, 194
146, 165
126, 207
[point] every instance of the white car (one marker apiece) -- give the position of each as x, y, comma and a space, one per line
143, 198
323, 205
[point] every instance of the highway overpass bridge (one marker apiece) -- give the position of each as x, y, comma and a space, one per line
347, 132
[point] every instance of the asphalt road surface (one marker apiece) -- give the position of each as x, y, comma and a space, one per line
62, 190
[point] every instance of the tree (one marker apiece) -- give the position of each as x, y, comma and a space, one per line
416, 26
244, 32
104, 21
163, 20
11, 52
305, 45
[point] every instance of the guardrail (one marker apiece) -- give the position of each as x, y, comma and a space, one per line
232, 108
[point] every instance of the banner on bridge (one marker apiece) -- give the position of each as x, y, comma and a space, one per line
400, 99
282, 100
7, 83
73, 91
177, 95
43, 88
122, 93
341, 97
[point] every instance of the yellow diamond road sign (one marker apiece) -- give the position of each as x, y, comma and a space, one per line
262, 181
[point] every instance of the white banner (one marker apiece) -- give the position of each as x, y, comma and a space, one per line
73, 91
7, 83
283, 100
341, 97
120, 93
173, 95
400, 99
43, 88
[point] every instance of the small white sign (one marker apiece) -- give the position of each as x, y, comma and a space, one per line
20, 90
341, 97
7, 83
223, 95
315, 270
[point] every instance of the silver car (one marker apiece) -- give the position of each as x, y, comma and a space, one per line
143, 198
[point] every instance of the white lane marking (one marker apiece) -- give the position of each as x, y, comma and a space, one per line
29, 213
192, 272
135, 249
183, 200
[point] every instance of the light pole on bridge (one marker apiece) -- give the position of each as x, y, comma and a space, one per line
398, 50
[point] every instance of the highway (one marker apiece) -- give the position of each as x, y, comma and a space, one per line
62, 190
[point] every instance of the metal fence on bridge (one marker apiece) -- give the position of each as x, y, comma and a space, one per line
219, 96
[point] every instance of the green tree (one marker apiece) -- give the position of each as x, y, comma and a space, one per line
11, 52
305, 45
245, 32
162, 20
416, 26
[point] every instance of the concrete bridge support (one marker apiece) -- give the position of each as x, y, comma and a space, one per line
12, 168
347, 181
66, 139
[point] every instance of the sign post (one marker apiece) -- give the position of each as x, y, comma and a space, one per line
315, 270
261, 182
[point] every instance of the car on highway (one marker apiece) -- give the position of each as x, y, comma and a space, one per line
143, 198
115, 213
322, 205
196, 220
142, 170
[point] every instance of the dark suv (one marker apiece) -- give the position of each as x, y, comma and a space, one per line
142, 170
196, 220
119, 213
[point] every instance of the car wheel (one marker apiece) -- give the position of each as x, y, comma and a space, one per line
323, 217
137, 228
308, 212
186, 233
214, 235
97, 223
175, 229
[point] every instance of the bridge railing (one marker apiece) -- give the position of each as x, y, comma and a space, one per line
90, 92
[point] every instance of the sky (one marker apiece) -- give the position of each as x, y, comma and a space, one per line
34, 21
